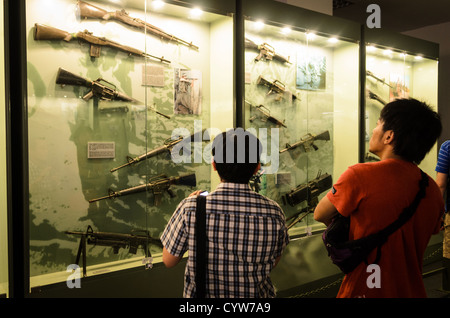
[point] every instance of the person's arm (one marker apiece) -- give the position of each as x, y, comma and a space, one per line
441, 180
170, 260
325, 211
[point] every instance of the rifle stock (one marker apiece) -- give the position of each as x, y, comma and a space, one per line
86, 10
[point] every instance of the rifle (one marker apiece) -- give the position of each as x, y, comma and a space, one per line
156, 185
45, 32
299, 216
369, 73
89, 11
309, 191
266, 113
274, 87
266, 51
376, 97
169, 143
115, 240
308, 141
99, 88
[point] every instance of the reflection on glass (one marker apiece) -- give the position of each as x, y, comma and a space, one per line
306, 83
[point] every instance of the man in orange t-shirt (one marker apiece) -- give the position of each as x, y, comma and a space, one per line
374, 194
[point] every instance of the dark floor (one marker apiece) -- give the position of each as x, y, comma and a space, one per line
433, 280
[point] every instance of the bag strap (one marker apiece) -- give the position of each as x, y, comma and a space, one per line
200, 233
406, 214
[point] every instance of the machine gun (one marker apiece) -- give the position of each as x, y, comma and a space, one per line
156, 185
137, 238
266, 51
45, 32
86, 10
265, 112
169, 143
369, 73
99, 88
307, 142
309, 191
275, 87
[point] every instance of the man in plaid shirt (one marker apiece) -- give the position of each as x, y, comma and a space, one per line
246, 232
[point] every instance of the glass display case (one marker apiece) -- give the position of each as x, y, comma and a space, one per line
121, 104
398, 66
301, 98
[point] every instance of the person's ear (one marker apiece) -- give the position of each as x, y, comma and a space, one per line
388, 137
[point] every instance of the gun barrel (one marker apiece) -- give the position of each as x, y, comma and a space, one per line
147, 155
101, 198
86, 10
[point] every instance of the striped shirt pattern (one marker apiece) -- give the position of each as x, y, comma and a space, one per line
443, 165
246, 232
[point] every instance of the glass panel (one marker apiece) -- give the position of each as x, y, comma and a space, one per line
302, 97
392, 74
104, 127
4, 288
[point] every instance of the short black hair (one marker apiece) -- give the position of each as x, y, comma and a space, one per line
236, 154
416, 127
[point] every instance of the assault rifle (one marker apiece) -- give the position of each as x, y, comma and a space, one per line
169, 143
45, 32
369, 73
99, 88
115, 240
374, 96
307, 142
266, 115
156, 185
309, 191
265, 51
87, 10
274, 87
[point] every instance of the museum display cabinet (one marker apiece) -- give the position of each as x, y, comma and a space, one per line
122, 101
301, 84
397, 66
112, 107
301, 96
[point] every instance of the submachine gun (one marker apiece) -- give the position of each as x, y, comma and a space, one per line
133, 241
156, 185
308, 192
99, 88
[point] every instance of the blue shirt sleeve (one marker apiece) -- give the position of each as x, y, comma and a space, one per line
443, 161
